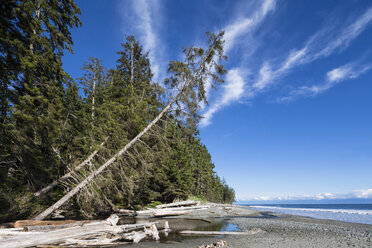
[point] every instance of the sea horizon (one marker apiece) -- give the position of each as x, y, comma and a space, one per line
347, 212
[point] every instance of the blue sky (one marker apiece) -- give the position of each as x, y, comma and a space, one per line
293, 119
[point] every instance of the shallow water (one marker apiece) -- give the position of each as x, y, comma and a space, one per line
178, 225
198, 226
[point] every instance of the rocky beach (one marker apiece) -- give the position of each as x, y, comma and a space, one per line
205, 225
278, 230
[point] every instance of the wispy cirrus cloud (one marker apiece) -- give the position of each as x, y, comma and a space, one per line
234, 89
244, 25
325, 42
144, 19
356, 194
346, 72
322, 44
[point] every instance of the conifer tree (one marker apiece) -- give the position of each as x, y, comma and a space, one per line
94, 81
34, 36
190, 75
48, 127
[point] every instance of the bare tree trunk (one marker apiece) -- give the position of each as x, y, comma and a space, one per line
37, 15
95, 173
131, 63
93, 92
67, 175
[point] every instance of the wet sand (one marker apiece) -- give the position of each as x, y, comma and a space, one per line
282, 231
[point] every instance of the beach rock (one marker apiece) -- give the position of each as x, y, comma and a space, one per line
220, 243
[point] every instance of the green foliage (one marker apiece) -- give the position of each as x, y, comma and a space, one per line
197, 198
47, 127
153, 204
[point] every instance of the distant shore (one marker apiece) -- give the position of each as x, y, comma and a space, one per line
284, 231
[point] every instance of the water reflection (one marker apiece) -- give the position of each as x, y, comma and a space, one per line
181, 224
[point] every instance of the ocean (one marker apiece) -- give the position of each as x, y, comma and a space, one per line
357, 213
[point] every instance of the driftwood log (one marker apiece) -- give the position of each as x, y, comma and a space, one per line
215, 233
23, 223
53, 227
88, 234
179, 204
170, 211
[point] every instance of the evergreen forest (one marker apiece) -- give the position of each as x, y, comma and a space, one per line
52, 125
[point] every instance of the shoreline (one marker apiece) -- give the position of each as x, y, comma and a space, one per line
233, 225
283, 230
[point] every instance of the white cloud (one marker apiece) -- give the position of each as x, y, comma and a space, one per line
362, 194
356, 194
294, 58
143, 24
321, 44
337, 74
242, 26
348, 71
234, 88
264, 78
234, 30
333, 77
347, 35
232, 91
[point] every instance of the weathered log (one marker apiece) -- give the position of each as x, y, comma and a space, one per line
201, 233
18, 229
33, 239
214, 45
38, 238
126, 211
53, 227
178, 204
131, 227
188, 208
135, 237
23, 223
58, 236
170, 211
152, 232
12, 232
67, 175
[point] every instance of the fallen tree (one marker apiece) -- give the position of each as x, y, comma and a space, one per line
88, 234
189, 75
49, 187
179, 204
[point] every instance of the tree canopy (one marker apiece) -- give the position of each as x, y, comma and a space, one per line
48, 126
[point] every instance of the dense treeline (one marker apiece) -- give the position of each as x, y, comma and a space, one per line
48, 125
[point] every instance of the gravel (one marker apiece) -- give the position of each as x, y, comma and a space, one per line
284, 231
297, 231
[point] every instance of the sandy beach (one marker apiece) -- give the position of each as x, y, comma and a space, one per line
280, 231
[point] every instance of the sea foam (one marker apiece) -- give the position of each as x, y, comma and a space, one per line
348, 215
